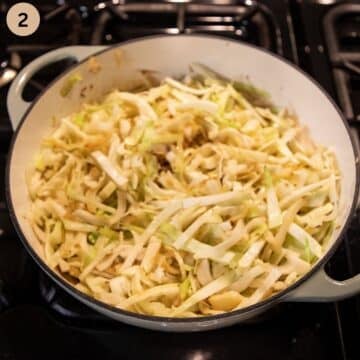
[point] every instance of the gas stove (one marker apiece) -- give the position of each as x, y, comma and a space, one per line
38, 320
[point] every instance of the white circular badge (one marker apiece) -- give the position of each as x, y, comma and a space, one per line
23, 19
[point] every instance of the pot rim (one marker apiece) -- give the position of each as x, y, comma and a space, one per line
160, 319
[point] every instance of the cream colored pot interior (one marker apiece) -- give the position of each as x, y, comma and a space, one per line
172, 55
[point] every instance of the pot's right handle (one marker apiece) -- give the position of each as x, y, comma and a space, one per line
16, 105
322, 288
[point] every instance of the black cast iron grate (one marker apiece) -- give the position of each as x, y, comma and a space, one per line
247, 21
342, 37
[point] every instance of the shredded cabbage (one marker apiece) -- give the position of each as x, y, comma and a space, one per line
190, 198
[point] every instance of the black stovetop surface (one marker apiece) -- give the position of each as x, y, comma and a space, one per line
38, 320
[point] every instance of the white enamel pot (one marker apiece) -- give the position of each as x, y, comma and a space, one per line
120, 65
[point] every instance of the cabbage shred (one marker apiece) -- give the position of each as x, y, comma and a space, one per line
186, 199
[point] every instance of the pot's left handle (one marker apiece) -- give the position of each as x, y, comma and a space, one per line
16, 105
322, 288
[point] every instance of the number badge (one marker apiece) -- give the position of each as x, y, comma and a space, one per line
23, 19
